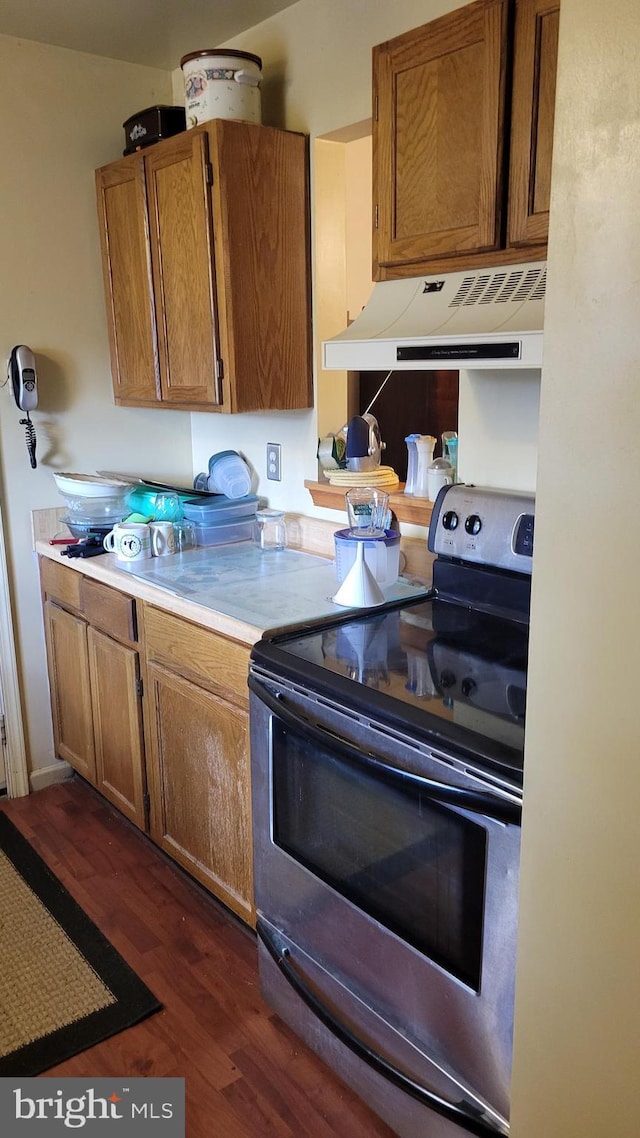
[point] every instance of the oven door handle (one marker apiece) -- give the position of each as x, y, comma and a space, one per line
464, 1114
476, 802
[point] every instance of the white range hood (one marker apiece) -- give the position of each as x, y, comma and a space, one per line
482, 318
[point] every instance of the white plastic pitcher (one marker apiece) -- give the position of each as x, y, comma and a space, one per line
425, 445
381, 554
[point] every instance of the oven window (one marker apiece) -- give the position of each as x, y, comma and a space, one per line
415, 866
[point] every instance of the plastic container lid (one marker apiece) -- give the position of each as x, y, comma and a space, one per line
229, 474
390, 536
227, 52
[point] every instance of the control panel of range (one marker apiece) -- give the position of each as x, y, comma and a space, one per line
484, 526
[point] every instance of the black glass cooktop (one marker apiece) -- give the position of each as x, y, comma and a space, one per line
451, 673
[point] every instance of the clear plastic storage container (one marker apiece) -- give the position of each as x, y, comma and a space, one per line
223, 534
219, 509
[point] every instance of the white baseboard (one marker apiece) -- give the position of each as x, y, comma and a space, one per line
47, 776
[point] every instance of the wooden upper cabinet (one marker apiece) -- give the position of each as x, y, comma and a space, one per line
534, 91
439, 96
260, 197
206, 266
126, 263
182, 259
463, 122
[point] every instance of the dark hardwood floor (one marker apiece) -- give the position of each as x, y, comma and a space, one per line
246, 1074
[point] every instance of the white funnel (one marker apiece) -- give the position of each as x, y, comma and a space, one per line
359, 588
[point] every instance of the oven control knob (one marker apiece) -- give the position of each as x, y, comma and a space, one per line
473, 524
447, 679
450, 519
468, 686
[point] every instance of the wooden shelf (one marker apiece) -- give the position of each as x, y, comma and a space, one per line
406, 509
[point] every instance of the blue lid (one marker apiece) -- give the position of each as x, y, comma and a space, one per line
219, 501
390, 536
220, 454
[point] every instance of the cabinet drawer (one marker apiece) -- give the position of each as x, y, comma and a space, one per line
110, 611
60, 583
197, 653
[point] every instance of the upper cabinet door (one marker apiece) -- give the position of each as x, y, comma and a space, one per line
534, 90
439, 106
260, 198
182, 258
126, 263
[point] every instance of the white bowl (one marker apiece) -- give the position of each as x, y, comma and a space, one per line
90, 485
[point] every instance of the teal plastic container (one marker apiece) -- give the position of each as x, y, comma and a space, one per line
143, 499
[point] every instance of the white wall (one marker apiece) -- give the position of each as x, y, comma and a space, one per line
578, 993
62, 115
498, 428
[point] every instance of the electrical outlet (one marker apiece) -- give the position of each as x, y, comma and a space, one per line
273, 462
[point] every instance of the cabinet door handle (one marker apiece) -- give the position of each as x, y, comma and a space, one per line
484, 803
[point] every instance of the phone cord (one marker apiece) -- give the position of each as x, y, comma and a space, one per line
30, 435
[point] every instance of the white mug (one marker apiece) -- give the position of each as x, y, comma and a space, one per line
436, 479
162, 538
130, 541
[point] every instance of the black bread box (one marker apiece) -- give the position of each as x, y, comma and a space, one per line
151, 125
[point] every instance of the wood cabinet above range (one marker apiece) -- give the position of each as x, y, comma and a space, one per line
462, 139
205, 251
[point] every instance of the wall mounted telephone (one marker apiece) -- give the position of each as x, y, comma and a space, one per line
21, 371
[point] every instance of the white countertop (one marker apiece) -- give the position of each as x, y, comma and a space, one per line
270, 589
236, 589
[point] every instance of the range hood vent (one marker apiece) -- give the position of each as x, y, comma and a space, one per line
489, 318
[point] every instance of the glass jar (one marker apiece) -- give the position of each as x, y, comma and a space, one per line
270, 529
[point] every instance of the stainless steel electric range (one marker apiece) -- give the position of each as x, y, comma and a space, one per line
387, 769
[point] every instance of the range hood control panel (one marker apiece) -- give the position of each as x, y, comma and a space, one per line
484, 526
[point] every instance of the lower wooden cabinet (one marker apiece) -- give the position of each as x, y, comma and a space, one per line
153, 711
95, 686
198, 767
197, 719
70, 685
117, 724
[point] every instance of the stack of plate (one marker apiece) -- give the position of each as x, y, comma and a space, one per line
384, 476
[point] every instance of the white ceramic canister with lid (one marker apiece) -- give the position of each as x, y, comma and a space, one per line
439, 474
221, 84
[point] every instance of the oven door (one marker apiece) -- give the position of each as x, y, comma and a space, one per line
396, 874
